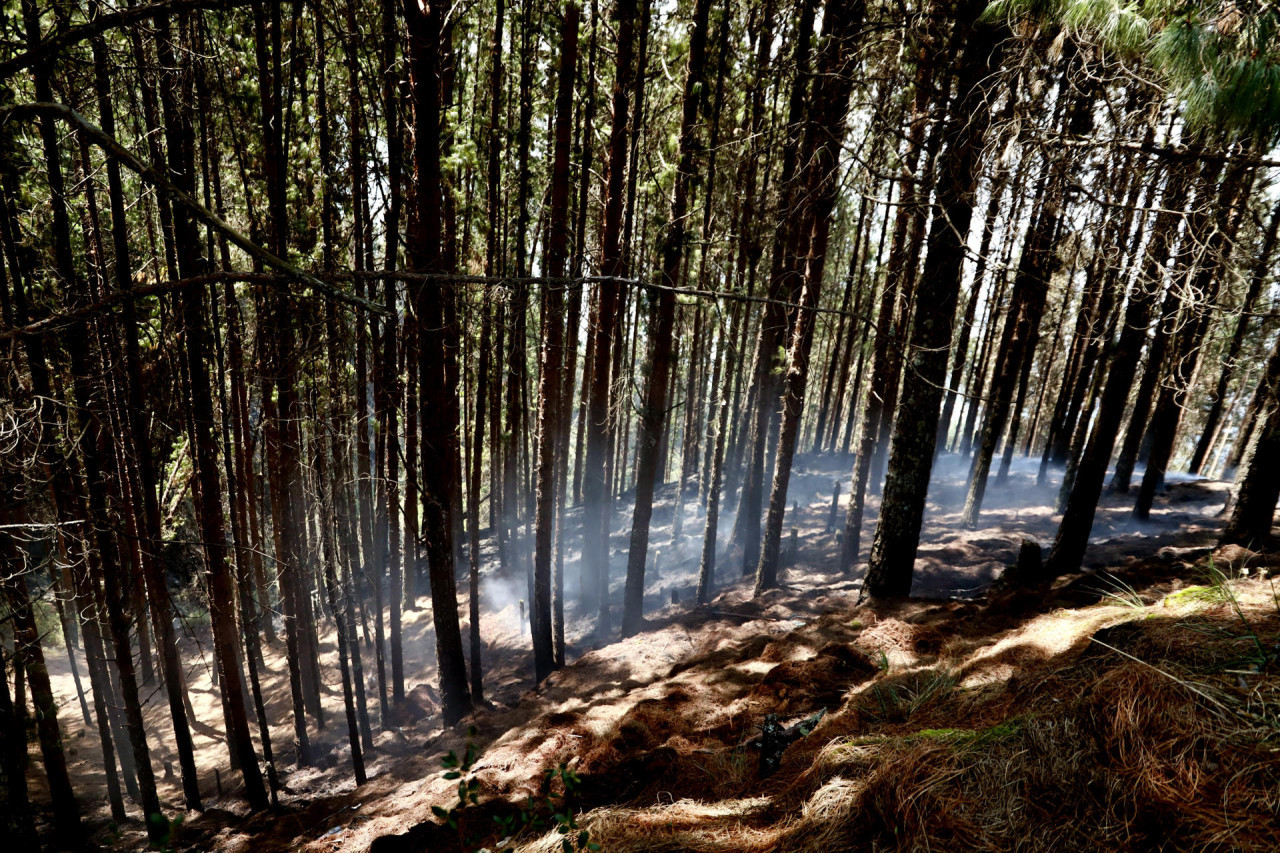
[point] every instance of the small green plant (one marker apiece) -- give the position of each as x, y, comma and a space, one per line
168, 834
468, 786
1199, 594
574, 839
898, 701
1259, 658
533, 816
969, 738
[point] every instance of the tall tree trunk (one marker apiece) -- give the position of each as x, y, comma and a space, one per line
595, 497
772, 333
390, 481
824, 139
221, 585
550, 377
88, 404
1220, 224
473, 500
961, 348
51, 420
1081, 505
437, 420
707, 566
158, 591
1256, 279
1259, 487
654, 412
16, 817
893, 551
68, 831
1022, 326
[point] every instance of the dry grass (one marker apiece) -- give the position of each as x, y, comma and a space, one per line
1164, 733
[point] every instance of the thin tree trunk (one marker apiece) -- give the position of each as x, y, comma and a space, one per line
437, 420
893, 551
819, 191
1259, 489
654, 412
158, 592
17, 820
1081, 505
1220, 224
1229, 362
550, 377
68, 830
595, 497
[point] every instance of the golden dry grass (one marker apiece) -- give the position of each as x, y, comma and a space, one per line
1104, 727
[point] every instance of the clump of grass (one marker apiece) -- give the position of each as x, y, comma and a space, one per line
1116, 591
898, 700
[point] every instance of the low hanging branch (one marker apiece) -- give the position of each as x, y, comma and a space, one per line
151, 175
56, 321
53, 322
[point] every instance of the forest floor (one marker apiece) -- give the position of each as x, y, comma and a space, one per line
1128, 705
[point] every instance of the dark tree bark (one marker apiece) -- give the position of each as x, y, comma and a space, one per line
897, 294
68, 831
550, 378
158, 592
221, 585
1022, 326
961, 348
389, 389
98, 535
51, 419
783, 276
1077, 518
893, 551
332, 509
824, 138
595, 497
16, 817
279, 393
1229, 364
1255, 409
868, 428
1136, 439
654, 411
437, 420
1220, 224
473, 501
1259, 488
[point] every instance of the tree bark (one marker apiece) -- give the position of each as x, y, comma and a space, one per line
1259, 489
824, 139
893, 551
550, 377
654, 412
595, 497
437, 419
1072, 537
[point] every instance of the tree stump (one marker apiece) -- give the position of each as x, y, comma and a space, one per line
1028, 571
